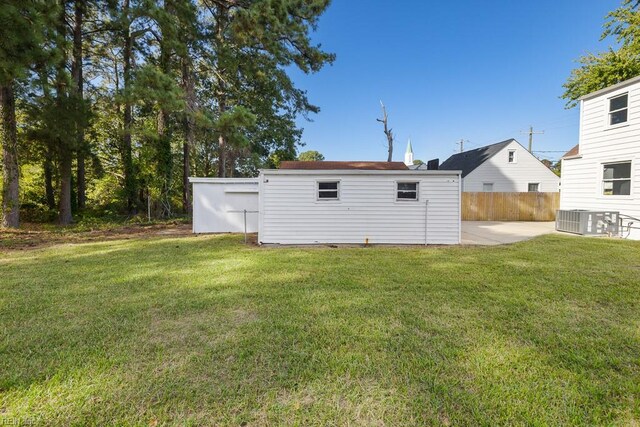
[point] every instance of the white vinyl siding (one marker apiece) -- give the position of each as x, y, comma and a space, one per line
512, 177
600, 144
219, 204
368, 209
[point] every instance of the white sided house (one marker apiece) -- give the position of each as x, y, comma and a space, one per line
502, 167
345, 202
602, 173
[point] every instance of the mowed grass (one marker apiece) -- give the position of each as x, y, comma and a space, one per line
207, 331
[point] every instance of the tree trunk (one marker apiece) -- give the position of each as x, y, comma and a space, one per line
222, 140
65, 216
48, 178
189, 133
219, 43
222, 157
388, 132
78, 79
64, 148
164, 163
163, 147
127, 158
10, 175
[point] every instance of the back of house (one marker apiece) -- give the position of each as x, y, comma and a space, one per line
602, 172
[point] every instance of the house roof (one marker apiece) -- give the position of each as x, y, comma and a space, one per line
467, 161
575, 151
610, 88
329, 165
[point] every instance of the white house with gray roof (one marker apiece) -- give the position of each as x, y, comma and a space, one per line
502, 167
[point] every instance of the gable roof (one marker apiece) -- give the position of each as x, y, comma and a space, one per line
575, 151
329, 165
467, 161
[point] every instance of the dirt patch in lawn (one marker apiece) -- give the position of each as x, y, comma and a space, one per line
32, 236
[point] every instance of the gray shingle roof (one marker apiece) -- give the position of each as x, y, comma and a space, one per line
467, 161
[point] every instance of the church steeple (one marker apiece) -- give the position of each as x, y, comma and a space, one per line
408, 155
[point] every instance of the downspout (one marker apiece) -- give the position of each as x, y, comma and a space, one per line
426, 220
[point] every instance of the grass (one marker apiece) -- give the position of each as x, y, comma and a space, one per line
207, 331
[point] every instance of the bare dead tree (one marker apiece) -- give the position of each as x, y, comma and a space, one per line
388, 132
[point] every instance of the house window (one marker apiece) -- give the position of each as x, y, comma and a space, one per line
328, 190
616, 179
512, 156
487, 187
407, 191
534, 187
618, 109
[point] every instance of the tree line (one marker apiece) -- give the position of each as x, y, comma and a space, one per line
111, 103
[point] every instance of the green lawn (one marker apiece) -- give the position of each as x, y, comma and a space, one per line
207, 331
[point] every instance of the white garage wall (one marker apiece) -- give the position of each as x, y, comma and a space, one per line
217, 204
367, 209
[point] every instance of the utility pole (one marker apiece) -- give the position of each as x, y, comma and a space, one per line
531, 133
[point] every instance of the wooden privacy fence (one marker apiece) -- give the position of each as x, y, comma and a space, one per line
510, 206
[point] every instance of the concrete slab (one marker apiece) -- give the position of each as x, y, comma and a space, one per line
502, 232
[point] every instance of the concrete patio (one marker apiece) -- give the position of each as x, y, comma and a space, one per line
502, 232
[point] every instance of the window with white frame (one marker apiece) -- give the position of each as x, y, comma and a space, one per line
618, 109
407, 191
487, 187
512, 156
616, 179
534, 187
329, 190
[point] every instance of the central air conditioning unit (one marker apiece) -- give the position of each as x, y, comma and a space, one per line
588, 223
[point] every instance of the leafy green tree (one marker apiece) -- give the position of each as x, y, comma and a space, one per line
310, 156
119, 101
598, 71
253, 42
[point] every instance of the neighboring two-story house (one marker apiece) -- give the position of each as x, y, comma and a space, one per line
602, 172
502, 167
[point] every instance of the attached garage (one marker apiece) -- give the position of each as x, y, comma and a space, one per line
220, 205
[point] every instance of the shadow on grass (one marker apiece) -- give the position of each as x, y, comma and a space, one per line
205, 330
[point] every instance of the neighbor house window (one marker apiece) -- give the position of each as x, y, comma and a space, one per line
487, 187
512, 156
616, 179
534, 187
618, 109
328, 190
407, 191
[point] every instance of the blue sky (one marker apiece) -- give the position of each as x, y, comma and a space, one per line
477, 70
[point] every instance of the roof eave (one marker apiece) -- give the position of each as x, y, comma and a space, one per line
610, 88
358, 172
